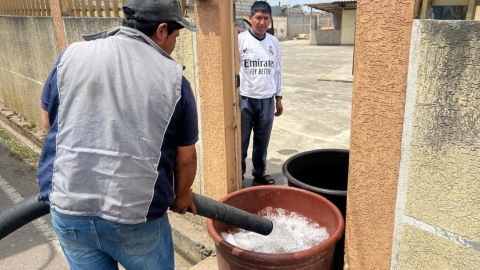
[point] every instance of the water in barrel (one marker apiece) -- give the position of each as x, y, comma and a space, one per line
291, 232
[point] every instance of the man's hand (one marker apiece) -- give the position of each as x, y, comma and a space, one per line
279, 107
181, 204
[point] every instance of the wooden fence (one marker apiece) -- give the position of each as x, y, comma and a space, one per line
97, 8
25, 7
71, 8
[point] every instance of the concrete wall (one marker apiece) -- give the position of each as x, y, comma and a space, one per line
29, 50
325, 37
280, 25
437, 222
382, 48
298, 24
76, 27
324, 19
348, 26
243, 7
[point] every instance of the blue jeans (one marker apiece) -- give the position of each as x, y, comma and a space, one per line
90, 242
257, 115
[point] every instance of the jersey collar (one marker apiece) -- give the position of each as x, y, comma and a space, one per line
253, 35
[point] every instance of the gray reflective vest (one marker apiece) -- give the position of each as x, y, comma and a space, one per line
117, 94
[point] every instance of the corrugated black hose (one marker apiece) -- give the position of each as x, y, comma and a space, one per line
22, 213
230, 215
34, 207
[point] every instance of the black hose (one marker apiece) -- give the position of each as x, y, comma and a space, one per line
230, 215
22, 213
34, 207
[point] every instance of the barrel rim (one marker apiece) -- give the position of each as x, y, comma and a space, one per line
301, 184
279, 257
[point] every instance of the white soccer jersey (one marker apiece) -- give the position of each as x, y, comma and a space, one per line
260, 67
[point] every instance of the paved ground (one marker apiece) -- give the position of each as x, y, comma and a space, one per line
33, 246
317, 91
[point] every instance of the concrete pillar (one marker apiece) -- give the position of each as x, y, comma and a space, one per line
382, 46
220, 128
58, 9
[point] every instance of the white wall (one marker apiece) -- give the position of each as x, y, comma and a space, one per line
348, 27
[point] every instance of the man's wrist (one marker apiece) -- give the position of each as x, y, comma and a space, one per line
278, 97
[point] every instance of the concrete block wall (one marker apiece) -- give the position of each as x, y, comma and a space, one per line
437, 223
298, 24
243, 7
294, 11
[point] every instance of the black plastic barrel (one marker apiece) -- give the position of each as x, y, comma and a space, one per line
323, 171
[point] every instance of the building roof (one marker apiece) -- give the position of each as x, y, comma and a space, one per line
332, 7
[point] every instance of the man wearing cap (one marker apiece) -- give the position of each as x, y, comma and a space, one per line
260, 88
120, 149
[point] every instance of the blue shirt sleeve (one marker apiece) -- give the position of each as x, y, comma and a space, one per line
187, 132
48, 86
45, 97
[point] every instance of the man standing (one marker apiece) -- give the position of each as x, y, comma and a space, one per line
260, 88
120, 149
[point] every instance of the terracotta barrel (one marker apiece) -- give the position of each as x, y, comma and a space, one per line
301, 201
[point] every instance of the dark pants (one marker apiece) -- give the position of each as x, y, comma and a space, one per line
257, 114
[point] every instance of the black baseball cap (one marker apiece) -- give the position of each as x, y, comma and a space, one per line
159, 11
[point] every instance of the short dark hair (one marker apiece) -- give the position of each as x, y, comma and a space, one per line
261, 6
148, 28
